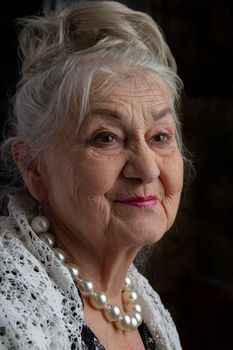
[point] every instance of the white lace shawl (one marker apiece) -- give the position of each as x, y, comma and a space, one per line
40, 307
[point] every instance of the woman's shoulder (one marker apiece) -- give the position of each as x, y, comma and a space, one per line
34, 306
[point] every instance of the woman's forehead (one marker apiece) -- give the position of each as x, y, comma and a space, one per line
135, 89
132, 100
139, 88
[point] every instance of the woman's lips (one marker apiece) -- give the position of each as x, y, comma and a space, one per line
139, 201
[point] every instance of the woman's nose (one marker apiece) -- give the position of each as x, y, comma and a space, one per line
142, 165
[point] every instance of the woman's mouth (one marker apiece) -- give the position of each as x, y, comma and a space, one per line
139, 201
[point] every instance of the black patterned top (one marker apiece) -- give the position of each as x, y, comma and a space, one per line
91, 342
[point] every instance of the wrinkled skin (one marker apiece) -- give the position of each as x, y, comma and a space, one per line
116, 157
126, 147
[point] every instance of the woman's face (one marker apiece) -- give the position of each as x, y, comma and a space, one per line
120, 181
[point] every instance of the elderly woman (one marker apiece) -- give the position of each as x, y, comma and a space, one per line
97, 143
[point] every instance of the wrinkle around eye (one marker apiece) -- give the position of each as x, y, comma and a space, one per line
106, 140
166, 148
167, 140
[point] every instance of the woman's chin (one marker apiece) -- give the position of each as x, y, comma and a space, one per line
139, 232
149, 237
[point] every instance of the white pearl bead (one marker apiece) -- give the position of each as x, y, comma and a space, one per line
74, 271
86, 287
112, 312
125, 323
40, 224
60, 254
127, 282
134, 323
47, 238
98, 300
138, 318
129, 296
132, 308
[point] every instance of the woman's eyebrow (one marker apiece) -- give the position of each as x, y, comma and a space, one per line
118, 115
162, 113
107, 112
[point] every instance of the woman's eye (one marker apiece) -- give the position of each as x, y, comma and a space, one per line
104, 138
161, 138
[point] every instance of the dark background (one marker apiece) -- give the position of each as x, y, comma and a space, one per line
191, 266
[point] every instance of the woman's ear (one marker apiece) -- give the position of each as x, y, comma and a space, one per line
31, 170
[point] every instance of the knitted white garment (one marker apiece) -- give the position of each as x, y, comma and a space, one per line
40, 307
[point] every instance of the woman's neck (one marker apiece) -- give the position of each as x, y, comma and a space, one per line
105, 265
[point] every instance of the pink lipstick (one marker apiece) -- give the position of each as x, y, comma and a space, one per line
139, 201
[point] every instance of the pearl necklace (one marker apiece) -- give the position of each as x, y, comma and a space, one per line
126, 321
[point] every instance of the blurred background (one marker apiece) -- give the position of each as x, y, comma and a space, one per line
192, 266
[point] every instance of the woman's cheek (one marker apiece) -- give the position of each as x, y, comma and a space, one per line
172, 176
98, 174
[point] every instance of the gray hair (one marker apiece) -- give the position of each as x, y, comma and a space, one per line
65, 52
